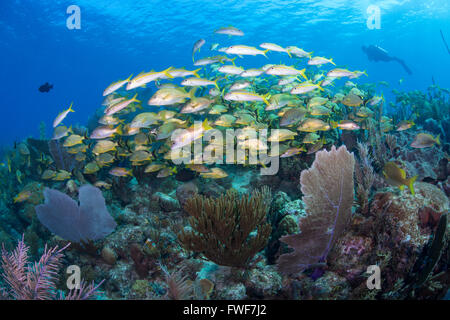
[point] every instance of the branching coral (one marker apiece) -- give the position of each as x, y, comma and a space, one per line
37, 281
228, 230
365, 177
328, 196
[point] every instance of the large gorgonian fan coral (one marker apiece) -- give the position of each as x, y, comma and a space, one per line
327, 189
228, 230
64, 217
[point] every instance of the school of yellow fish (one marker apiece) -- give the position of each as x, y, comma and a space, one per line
221, 94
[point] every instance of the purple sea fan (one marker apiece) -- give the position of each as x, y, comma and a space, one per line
327, 189
88, 221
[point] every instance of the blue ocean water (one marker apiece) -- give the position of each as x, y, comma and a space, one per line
118, 38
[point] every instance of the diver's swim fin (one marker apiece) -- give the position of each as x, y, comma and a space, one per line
408, 70
445, 42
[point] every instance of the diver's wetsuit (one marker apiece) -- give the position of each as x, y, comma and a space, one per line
376, 53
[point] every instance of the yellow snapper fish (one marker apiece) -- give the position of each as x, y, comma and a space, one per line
48, 174
77, 149
292, 152
141, 138
311, 138
214, 173
292, 116
316, 146
62, 175
104, 132
218, 109
187, 136
340, 73
198, 82
105, 159
298, 52
243, 50
22, 196
316, 101
357, 74
327, 81
120, 172
281, 135
280, 100
109, 120
405, 125
180, 73
165, 131
120, 106
231, 69
62, 116
103, 184
424, 140
166, 114
240, 96
245, 119
73, 140
305, 87
170, 96
154, 167
225, 120
91, 168
345, 125
145, 77
352, 100
144, 120
316, 61
282, 70
166, 172
319, 111
313, 125
196, 105
104, 146
80, 157
197, 45
364, 112
208, 60
61, 132
375, 100
198, 168
140, 156
112, 99
115, 86
230, 31
274, 47
396, 176
129, 131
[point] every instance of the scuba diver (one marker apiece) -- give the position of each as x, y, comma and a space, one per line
376, 53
